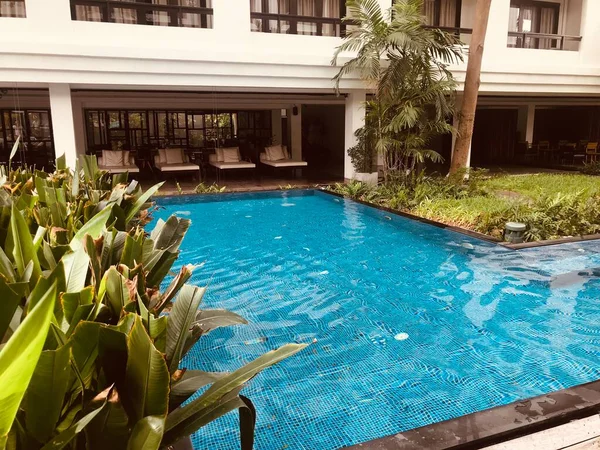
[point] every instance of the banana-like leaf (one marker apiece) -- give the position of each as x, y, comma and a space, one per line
82, 312
180, 319
110, 428
15, 147
116, 291
176, 284
90, 167
212, 412
139, 203
73, 300
23, 249
84, 346
75, 180
19, 357
9, 301
6, 267
45, 395
64, 438
76, 267
146, 376
61, 162
147, 433
228, 384
93, 227
132, 251
189, 383
211, 319
155, 326
92, 251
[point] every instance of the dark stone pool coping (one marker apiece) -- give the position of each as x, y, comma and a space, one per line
496, 425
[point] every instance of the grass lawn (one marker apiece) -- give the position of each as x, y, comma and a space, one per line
551, 205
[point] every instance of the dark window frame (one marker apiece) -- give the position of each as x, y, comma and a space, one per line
144, 11
522, 36
293, 18
437, 12
31, 152
24, 16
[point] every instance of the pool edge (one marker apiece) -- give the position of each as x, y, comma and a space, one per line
496, 425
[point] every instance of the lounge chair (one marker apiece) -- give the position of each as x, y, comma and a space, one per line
277, 156
174, 160
117, 161
228, 158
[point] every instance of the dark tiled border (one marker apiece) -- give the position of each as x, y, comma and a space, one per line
499, 424
566, 240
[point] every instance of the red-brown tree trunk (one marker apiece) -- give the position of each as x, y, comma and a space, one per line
466, 119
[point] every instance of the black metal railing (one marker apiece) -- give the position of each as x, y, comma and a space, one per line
454, 30
133, 12
541, 41
294, 24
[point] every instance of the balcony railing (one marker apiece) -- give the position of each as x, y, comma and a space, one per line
292, 24
133, 12
540, 41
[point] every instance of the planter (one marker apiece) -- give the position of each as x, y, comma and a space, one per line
367, 178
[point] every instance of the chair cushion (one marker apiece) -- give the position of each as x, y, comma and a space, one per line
113, 158
162, 155
219, 153
174, 156
231, 155
232, 165
275, 153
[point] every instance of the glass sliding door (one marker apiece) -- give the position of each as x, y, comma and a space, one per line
527, 17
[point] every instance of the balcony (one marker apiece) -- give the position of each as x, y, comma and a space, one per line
12, 8
184, 13
544, 25
452, 16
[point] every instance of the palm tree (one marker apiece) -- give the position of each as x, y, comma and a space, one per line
405, 64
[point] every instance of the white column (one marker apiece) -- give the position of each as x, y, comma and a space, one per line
530, 123
295, 133
355, 118
276, 126
63, 124
589, 50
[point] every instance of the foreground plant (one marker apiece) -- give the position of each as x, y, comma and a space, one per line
113, 340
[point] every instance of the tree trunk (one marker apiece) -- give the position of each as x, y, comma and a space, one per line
460, 155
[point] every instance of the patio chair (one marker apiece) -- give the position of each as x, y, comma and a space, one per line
591, 152
174, 160
117, 161
228, 158
277, 156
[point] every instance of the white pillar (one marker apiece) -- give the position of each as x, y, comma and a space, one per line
276, 126
530, 123
589, 50
295, 134
355, 118
63, 124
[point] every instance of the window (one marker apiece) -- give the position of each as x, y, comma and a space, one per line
167, 13
12, 8
528, 18
138, 130
309, 17
34, 127
442, 13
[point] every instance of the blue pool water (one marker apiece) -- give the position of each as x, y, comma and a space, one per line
409, 324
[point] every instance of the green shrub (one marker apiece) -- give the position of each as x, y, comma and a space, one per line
82, 278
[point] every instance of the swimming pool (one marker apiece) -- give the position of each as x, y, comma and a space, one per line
410, 324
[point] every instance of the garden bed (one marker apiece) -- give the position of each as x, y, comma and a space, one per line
553, 206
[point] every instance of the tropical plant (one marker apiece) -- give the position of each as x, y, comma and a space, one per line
405, 63
210, 189
109, 374
592, 168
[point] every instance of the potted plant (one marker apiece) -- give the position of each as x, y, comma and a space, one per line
363, 156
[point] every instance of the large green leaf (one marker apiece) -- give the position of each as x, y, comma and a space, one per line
110, 428
93, 227
116, 291
6, 267
84, 345
73, 300
139, 203
189, 383
228, 384
176, 284
19, 357
180, 319
23, 248
15, 147
147, 376
69, 434
9, 301
211, 319
76, 267
147, 433
46, 392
